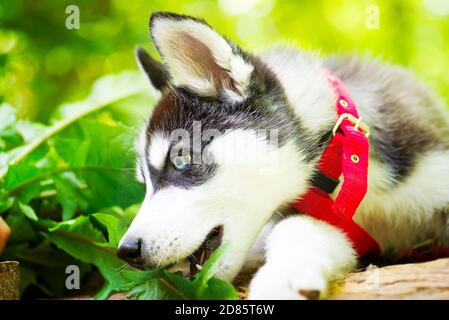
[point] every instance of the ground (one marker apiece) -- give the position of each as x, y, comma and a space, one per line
426, 280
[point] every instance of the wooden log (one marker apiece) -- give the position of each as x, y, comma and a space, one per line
428, 280
9, 280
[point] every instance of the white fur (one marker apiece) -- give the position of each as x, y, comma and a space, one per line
163, 220
410, 209
321, 253
142, 169
312, 100
158, 150
256, 256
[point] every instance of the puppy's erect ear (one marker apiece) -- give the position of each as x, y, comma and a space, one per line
153, 69
198, 58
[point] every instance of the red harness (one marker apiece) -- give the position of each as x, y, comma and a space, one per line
347, 155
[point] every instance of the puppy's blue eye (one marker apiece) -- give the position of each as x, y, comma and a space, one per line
181, 162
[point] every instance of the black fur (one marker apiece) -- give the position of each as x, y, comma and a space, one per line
154, 69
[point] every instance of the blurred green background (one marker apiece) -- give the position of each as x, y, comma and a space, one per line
42, 63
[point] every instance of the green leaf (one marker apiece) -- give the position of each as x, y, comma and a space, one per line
81, 240
125, 216
21, 172
150, 290
6, 204
69, 195
187, 288
28, 211
204, 286
42, 266
105, 91
130, 213
42, 254
73, 151
114, 227
9, 139
76, 236
207, 287
117, 87
211, 266
217, 289
143, 276
22, 230
27, 277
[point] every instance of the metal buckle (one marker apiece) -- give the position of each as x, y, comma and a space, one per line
356, 122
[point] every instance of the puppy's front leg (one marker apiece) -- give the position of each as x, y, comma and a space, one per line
302, 256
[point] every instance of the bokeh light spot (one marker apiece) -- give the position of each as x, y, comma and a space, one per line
438, 7
58, 61
249, 7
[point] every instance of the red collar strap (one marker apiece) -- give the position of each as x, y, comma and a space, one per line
347, 155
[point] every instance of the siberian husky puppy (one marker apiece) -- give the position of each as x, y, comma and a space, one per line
235, 139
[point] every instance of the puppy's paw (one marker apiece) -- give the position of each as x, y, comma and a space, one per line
272, 283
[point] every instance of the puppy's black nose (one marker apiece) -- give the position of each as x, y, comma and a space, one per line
130, 251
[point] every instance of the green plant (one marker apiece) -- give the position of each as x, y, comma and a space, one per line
68, 192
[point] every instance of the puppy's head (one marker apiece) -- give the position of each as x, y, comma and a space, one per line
217, 155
